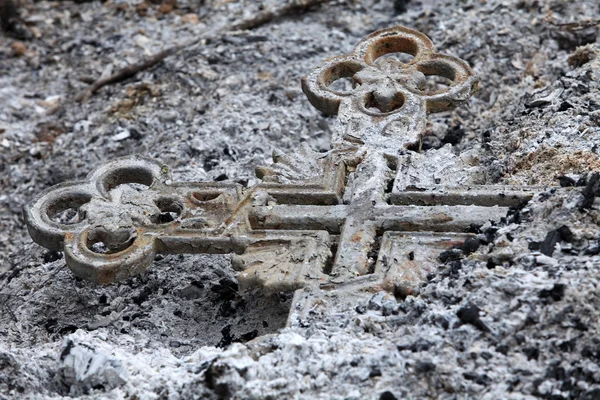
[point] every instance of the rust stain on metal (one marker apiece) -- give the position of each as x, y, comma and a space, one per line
440, 218
357, 237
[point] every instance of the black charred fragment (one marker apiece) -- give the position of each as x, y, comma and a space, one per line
142, 296
563, 233
490, 233
226, 289
591, 352
226, 338
590, 192
197, 284
455, 267
249, 336
51, 256
582, 181
418, 346
50, 325
565, 181
593, 250
450, 300
564, 106
425, 366
67, 350
211, 376
443, 322
568, 345
487, 136
387, 395
532, 353
513, 216
502, 349
475, 377
555, 371
450, 255
454, 135
556, 293
165, 217
474, 228
491, 263
579, 324
547, 246
470, 245
469, 314
400, 6
67, 330
544, 196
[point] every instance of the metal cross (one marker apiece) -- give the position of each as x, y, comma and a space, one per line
372, 213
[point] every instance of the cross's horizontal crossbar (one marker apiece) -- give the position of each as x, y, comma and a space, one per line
504, 196
387, 218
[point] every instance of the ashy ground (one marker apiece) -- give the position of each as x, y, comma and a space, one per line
517, 319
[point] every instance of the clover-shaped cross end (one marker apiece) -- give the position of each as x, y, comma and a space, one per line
76, 216
385, 90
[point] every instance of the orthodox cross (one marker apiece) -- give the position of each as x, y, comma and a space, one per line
371, 214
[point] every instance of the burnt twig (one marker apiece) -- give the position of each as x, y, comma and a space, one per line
576, 26
255, 21
126, 72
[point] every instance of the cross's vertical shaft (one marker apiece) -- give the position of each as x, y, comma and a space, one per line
359, 231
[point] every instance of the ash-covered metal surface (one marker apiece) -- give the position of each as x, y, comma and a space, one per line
512, 315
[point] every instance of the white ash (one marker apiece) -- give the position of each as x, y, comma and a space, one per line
506, 322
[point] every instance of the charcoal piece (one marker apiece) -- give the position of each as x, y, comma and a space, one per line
565, 181
565, 233
387, 395
590, 192
556, 293
454, 135
534, 245
592, 250
51, 256
400, 6
469, 314
470, 245
547, 246
450, 255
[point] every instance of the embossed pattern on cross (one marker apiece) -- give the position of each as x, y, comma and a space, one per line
372, 213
